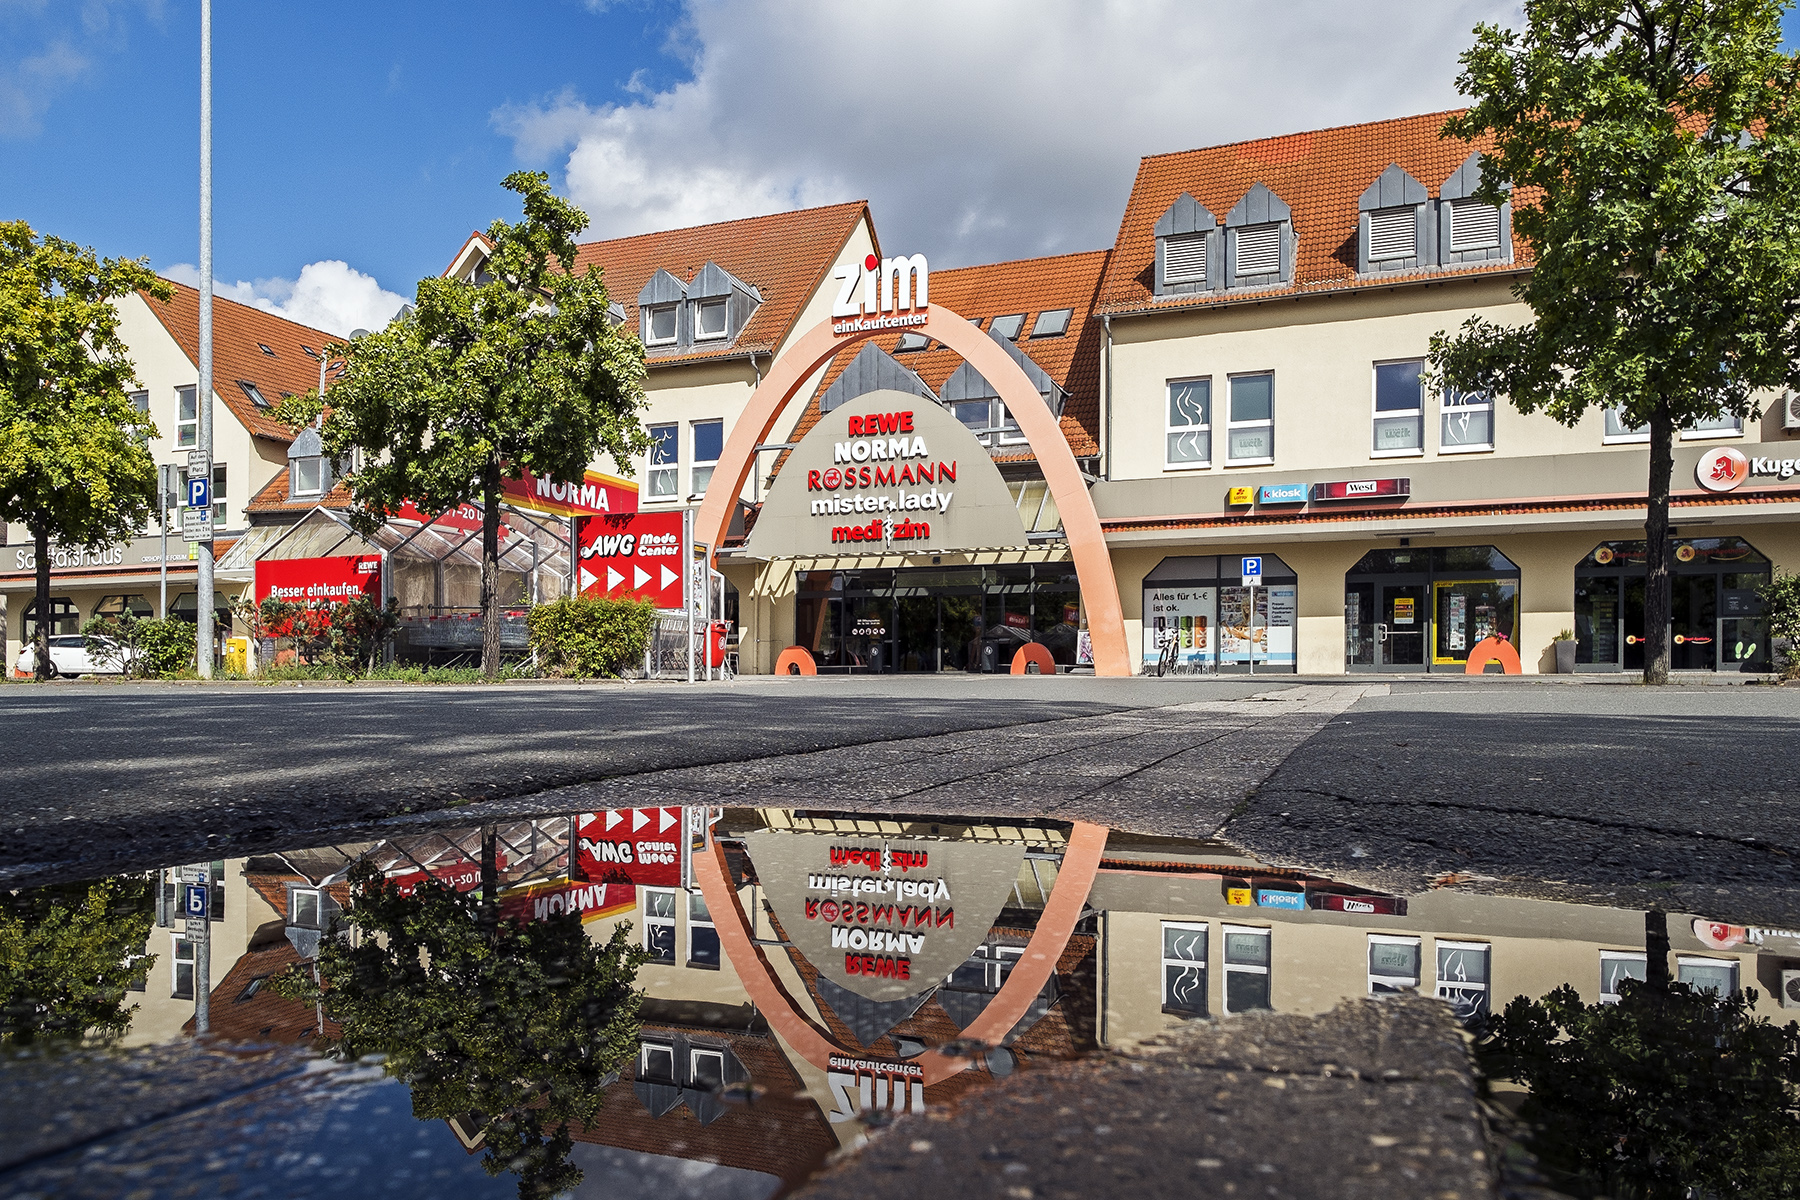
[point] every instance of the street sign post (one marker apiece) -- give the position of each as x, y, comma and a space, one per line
196, 908
196, 524
1253, 571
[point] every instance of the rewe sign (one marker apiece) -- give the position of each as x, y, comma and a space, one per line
633, 557
875, 287
335, 579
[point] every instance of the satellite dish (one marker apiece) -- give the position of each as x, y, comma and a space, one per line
356, 333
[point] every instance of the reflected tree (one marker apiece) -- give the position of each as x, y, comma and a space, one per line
513, 1027
68, 956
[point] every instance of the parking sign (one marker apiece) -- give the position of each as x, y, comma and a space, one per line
199, 492
196, 900
1252, 571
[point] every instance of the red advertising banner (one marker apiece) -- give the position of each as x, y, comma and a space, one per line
1387, 906
591, 900
1363, 489
331, 580
633, 557
597, 494
464, 518
631, 845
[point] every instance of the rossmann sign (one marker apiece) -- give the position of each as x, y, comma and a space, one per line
880, 293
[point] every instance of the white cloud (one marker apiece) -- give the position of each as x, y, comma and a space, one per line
980, 131
28, 86
329, 295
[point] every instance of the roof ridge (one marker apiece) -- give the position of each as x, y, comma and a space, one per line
251, 308
1014, 262
1294, 133
662, 233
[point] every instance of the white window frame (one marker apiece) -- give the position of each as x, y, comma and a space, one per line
1170, 428
1629, 437
1396, 939
1200, 963
1485, 949
1636, 956
695, 1054
187, 432
1697, 960
700, 307
1231, 425
668, 922
177, 940
1410, 216
703, 921
1417, 413
1709, 435
698, 483
1446, 410
220, 477
650, 312
318, 481
655, 471
1229, 968
643, 1074
318, 904
1002, 428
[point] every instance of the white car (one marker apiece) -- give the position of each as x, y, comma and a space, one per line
69, 657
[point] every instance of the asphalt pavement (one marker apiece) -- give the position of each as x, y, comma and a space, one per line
1682, 796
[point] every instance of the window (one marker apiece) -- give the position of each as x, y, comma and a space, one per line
988, 420
659, 325
1727, 425
250, 390
706, 1069
665, 452
187, 418
1618, 431
1259, 250
308, 476
1716, 975
986, 968
1393, 233
659, 924
1246, 968
310, 352
1007, 327
1393, 964
709, 320
303, 908
181, 977
703, 938
138, 605
1616, 966
65, 618
1467, 422
251, 988
709, 440
656, 1062
1184, 968
1052, 323
218, 493
1462, 977
1184, 258
1250, 434
141, 402
1188, 440
268, 350
1399, 408
912, 341
1474, 226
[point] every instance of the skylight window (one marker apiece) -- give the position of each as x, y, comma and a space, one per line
256, 397
912, 341
1008, 327
1052, 322
310, 352
268, 350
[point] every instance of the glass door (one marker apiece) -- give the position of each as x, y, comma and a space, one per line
1695, 623
1359, 624
917, 627
1400, 636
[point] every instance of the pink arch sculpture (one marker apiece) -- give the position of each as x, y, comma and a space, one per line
1081, 524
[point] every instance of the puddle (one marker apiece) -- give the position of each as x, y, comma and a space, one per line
805, 976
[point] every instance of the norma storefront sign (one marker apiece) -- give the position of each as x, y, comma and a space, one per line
636, 556
631, 845
334, 579
600, 494
1363, 489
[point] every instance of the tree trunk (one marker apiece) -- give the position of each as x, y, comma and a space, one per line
490, 573
41, 639
1656, 547
1656, 949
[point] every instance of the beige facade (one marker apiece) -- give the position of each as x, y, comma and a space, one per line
165, 1005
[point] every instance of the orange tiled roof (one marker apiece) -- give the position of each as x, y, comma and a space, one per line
237, 330
785, 256
1029, 286
262, 1016
1321, 175
273, 497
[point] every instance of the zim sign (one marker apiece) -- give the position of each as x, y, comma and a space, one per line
637, 556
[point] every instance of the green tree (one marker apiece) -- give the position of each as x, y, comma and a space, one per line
480, 383
1671, 1092
68, 956
520, 1025
72, 460
1653, 147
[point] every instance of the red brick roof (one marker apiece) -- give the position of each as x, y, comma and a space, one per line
785, 256
1321, 175
1029, 286
262, 1016
237, 330
273, 497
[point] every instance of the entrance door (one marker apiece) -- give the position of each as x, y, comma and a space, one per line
1359, 624
1400, 639
917, 630
1695, 623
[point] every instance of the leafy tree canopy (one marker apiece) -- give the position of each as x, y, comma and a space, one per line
68, 956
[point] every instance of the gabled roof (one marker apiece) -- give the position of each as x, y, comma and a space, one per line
237, 331
1321, 175
272, 497
784, 256
1029, 286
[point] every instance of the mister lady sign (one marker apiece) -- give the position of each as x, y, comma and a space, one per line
889, 472
885, 918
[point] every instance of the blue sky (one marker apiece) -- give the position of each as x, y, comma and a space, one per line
375, 134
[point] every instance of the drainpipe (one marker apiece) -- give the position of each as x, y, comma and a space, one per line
1106, 324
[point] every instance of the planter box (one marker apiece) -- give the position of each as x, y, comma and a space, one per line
1565, 657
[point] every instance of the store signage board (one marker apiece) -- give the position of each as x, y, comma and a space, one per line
197, 524
886, 918
631, 845
888, 473
1240, 495
1252, 571
1275, 898
1363, 489
632, 556
333, 579
1386, 906
596, 494
878, 293
1281, 493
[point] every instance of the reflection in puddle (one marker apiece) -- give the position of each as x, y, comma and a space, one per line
799, 977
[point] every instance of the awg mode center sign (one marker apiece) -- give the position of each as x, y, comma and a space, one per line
636, 556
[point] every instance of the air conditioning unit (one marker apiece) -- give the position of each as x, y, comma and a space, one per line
1790, 989
1790, 411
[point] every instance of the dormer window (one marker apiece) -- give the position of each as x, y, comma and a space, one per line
308, 476
1394, 230
1393, 233
709, 320
1189, 249
1474, 226
1259, 250
1259, 240
1468, 230
659, 325
1184, 259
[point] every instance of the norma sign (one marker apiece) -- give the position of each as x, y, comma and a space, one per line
636, 556
631, 845
1363, 489
334, 579
596, 494
881, 294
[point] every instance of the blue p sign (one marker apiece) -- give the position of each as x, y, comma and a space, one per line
1252, 571
199, 492
196, 900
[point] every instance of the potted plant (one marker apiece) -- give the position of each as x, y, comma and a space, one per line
1564, 645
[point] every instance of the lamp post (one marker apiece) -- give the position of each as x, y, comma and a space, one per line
203, 633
